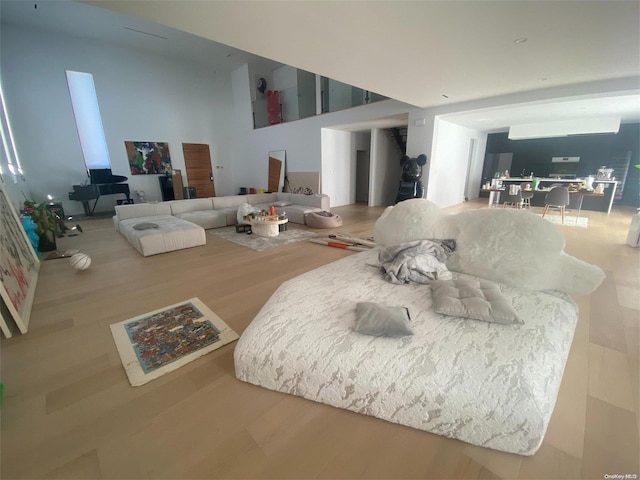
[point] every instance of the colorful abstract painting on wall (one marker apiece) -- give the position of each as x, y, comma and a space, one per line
148, 158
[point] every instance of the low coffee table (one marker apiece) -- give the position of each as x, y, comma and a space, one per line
267, 226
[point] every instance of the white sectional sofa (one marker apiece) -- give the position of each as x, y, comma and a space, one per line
179, 224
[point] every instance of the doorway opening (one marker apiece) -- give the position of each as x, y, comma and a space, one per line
472, 148
197, 161
363, 168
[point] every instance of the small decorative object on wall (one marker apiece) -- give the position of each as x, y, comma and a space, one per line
158, 342
262, 84
19, 267
148, 158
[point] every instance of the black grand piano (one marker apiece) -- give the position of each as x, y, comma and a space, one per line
103, 182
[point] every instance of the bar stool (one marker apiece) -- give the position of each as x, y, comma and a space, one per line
527, 195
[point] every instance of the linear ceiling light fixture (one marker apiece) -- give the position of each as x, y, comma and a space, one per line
11, 153
564, 128
145, 33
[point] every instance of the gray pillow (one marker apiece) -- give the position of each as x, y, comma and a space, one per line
473, 298
381, 321
145, 226
281, 203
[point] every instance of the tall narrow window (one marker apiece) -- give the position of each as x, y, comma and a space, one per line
8, 145
88, 120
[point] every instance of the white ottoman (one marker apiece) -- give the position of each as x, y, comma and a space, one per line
161, 233
267, 228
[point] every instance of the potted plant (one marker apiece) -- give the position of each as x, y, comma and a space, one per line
46, 224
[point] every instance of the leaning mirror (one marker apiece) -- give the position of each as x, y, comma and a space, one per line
276, 170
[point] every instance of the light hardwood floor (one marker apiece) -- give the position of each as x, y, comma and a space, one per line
69, 411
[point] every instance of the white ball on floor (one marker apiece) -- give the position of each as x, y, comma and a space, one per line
80, 261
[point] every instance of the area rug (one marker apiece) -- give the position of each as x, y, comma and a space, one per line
259, 244
156, 343
569, 220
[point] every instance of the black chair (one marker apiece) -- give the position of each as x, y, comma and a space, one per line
557, 197
512, 199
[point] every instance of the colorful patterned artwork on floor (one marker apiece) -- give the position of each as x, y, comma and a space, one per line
168, 335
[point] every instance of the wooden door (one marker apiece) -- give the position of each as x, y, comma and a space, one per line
197, 161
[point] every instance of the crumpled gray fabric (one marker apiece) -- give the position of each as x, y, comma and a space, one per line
419, 261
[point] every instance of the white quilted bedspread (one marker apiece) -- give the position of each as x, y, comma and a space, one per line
487, 384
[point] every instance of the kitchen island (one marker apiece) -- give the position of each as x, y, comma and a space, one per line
599, 203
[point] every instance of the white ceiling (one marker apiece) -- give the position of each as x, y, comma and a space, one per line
412, 51
500, 119
417, 51
85, 21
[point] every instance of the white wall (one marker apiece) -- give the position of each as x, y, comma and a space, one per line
307, 94
148, 97
449, 160
363, 164
285, 80
339, 164
362, 140
284, 77
301, 139
16, 191
362, 145
420, 138
258, 99
141, 97
339, 95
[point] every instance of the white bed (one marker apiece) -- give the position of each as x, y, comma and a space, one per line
486, 384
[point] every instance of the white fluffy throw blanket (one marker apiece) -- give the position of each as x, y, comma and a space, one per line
509, 246
420, 261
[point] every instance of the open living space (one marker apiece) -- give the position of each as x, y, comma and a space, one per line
313, 361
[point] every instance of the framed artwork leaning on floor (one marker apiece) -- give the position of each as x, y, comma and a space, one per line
19, 266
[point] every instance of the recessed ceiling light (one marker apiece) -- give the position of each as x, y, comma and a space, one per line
520, 40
